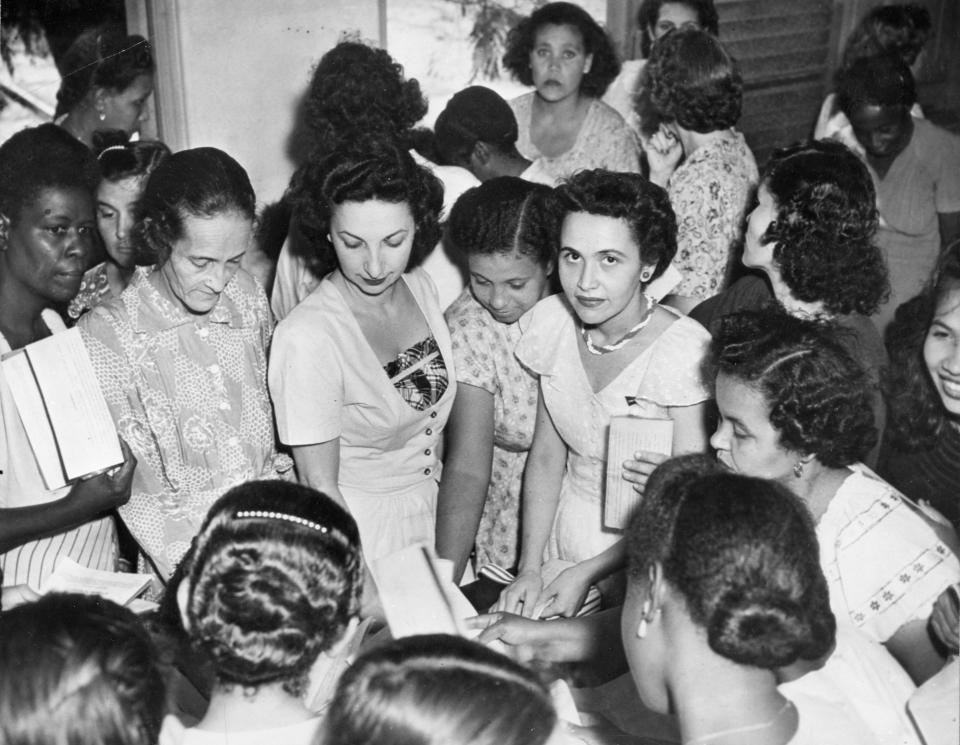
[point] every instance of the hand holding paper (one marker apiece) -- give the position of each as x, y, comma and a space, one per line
106, 490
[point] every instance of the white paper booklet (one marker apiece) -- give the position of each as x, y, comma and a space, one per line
62, 408
628, 434
69, 576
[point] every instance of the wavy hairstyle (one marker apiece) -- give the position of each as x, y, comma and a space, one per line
642, 205
101, 57
916, 413
435, 690
694, 81
881, 80
605, 66
649, 15
503, 215
201, 182
273, 579
357, 88
819, 397
120, 159
824, 228
743, 554
901, 29
369, 167
78, 669
38, 158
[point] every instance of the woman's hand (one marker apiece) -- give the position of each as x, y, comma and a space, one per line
522, 595
525, 639
565, 595
638, 470
945, 619
664, 152
108, 490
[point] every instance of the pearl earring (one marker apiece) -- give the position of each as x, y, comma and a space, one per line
798, 469
642, 629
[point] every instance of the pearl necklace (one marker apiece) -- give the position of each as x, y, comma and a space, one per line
599, 349
749, 728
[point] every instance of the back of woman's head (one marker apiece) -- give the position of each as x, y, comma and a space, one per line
916, 412
743, 554
77, 669
120, 159
642, 205
824, 227
819, 397
503, 215
101, 57
649, 14
38, 158
522, 37
273, 579
360, 89
900, 29
438, 690
202, 182
881, 80
370, 167
694, 81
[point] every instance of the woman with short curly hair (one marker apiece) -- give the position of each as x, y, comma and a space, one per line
695, 87
795, 407
565, 54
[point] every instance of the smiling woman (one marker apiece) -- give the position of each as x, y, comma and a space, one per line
181, 355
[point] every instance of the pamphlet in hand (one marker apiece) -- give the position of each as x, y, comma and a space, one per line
69, 576
629, 434
62, 408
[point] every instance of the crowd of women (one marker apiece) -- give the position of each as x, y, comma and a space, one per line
455, 319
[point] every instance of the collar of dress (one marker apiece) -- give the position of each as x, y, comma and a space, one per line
154, 311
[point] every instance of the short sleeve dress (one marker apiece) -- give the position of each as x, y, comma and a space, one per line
666, 374
604, 141
483, 357
327, 383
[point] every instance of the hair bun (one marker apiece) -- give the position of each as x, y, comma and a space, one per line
760, 628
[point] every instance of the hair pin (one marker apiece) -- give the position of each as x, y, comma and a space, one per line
112, 147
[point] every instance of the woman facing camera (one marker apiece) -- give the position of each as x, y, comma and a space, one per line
503, 229
600, 346
271, 589
124, 169
795, 408
361, 371
107, 77
439, 690
181, 355
570, 61
921, 453
724, 590
696, 89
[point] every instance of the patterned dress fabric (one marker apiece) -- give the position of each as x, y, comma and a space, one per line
189, 395
710, 192
604, 141
483, 357
94, 289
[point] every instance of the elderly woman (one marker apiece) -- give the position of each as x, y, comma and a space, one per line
696, 89
182, 354
47, 233
107, 79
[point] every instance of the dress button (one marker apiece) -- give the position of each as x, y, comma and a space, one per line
433, 415
427, 451
426, 471
429, 431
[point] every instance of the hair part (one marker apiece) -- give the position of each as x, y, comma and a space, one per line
78, 669
522, 37
649, 15
438, 689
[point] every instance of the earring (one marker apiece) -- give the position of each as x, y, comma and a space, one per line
101, 114
798, 469
642, 629
645, 277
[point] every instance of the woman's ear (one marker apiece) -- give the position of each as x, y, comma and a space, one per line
100, 96
588, 64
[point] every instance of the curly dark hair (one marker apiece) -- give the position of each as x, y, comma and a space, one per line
605, 66
78, 668
820, 398
432, 689
743, 554
38, 158
900, 29
274, 578
881, 80
357, 88
503, 215
649, 15
693, 81
644, 206
916, 413
201, 182
369, 167
824, 228
120, 159
101, 57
